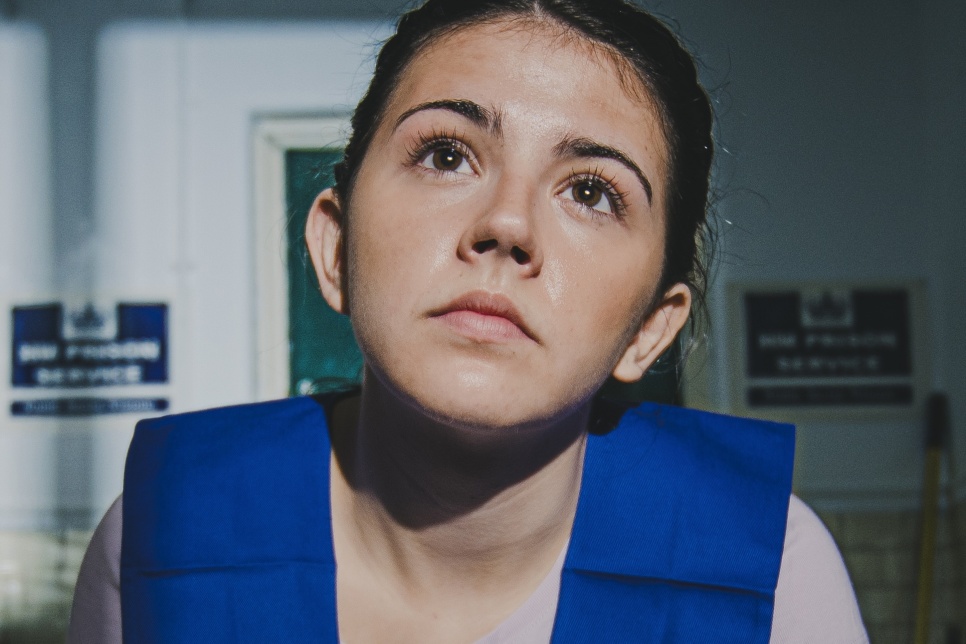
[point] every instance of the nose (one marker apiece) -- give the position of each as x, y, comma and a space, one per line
505, 230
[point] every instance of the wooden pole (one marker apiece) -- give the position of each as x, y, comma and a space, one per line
937, 428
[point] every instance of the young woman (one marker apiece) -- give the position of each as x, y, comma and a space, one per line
514, 221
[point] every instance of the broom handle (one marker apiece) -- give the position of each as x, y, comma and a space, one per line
937, 428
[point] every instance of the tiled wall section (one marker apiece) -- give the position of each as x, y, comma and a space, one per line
37, 574
881, 550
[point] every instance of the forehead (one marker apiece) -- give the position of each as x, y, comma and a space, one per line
535, 68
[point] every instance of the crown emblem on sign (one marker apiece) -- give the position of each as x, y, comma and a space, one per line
87, 319
827, 309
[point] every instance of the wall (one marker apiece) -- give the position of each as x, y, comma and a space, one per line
944, 196
841, 136
27, 456
831, 117
26, 259
24, 161
176, 106
881, 551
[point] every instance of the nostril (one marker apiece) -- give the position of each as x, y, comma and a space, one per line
483, 246
519, 255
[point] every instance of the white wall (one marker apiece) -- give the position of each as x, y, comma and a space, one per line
25, 226
176, 107
27, 452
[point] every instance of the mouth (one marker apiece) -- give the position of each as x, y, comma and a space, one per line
484, 317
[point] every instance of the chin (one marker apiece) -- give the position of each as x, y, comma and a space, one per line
479, 391
491, 403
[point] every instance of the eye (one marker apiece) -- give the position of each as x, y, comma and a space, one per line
590, 193
446, 158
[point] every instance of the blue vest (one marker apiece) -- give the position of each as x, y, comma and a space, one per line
227, 531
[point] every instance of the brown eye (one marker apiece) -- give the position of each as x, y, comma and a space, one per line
587, 193
591, 194
447, 159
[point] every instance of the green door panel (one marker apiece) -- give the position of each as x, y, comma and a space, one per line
324, 354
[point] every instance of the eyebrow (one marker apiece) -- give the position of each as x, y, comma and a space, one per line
480, 116
585, 148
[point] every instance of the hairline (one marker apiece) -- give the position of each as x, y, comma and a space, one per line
632, 80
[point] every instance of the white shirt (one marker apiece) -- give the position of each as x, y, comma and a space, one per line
814, 600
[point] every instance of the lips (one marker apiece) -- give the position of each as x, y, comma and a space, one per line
484, 316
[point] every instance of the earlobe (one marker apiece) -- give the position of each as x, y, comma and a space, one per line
323, 237
655, 335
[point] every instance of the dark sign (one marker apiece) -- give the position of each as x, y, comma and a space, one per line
831, 347
823, 395
57, 348
87, 406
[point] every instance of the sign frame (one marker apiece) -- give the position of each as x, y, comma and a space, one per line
738, 354
85, 402
272, 137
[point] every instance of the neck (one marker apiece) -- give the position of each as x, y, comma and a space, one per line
434, 503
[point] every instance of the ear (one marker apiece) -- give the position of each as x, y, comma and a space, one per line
323, 236
656, 334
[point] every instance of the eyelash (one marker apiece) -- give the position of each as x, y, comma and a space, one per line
608, 186
437, 140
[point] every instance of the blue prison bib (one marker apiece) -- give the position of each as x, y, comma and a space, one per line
227, 534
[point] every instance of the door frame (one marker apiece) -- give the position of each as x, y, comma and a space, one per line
273, 137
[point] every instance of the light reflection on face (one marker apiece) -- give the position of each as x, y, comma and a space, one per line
507, 227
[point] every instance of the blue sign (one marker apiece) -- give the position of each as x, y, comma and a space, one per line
57, 348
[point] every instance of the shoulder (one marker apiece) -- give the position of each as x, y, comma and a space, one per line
250, 414
96, 611
223, 437
814, 600
208, 482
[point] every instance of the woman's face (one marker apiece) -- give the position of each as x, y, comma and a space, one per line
506, 230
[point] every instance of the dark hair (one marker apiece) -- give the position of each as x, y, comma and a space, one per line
636, 37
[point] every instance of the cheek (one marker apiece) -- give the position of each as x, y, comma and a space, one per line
392, 254
397, 224
602, 300
608, 283
377, 271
